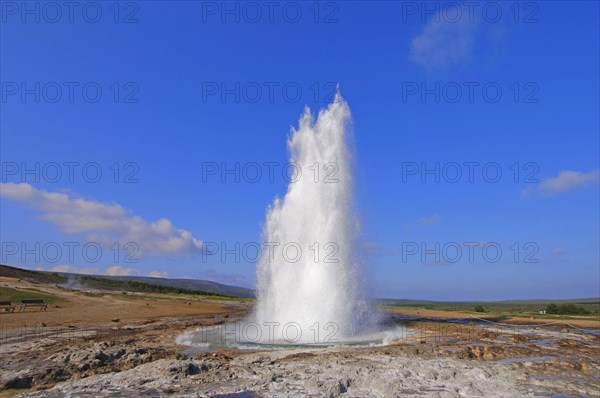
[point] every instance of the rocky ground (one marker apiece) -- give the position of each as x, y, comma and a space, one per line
112, 345
143, 360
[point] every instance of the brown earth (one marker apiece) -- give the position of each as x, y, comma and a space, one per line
92, 309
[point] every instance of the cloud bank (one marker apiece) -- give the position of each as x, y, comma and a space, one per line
565, 181
105, 223
157, 274
115, 270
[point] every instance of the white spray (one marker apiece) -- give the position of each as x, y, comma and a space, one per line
308, 285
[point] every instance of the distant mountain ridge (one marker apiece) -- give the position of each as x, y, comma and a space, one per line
145, 282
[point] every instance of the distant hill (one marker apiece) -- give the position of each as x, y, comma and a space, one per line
198, 286
190, 284
421, 303
530, 307
127, 283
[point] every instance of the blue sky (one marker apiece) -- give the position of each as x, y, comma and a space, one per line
148, 94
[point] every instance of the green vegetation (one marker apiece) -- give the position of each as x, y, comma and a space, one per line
136, 286
14, 295
525, 308
566, 309
141, 296
479, 308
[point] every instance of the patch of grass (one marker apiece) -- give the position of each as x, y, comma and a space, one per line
566, 309
16, 295
178, 297
588, 309
96, 282
94, 294
183, 297
228, 298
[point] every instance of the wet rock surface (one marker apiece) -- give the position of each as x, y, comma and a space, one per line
145, 361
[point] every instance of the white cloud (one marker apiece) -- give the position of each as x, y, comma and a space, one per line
157, 274
103, 222
117, 270
75, 270
570, 180
566, 181
443, 43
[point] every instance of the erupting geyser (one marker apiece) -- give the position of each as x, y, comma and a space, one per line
309, 275
309, 285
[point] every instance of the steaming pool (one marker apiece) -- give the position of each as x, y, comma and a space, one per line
250, 336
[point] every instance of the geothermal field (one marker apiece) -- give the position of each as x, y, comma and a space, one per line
265, 199
165, 345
